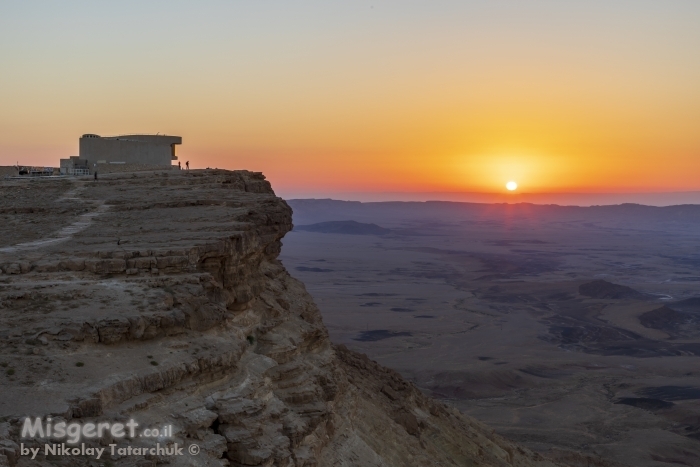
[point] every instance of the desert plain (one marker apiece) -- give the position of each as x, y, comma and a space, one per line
564, 328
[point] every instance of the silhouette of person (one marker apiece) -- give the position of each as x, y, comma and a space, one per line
187, 164
179, 167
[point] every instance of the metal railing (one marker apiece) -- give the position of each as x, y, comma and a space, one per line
78, 171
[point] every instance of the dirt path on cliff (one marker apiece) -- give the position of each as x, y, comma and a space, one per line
67, 232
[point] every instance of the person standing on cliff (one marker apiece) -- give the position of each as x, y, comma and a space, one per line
187, 165
179, 166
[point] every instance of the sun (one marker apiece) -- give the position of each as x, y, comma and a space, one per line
511, 186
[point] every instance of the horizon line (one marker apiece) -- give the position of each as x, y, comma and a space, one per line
657, 199
503, 193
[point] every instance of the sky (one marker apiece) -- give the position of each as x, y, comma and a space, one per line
330, 97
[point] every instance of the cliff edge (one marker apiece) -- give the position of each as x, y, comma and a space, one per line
158, 298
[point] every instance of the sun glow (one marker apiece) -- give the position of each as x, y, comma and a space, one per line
511, 185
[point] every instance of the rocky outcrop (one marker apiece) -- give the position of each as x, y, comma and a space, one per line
169, 307
607, 290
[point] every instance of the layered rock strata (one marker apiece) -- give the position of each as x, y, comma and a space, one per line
158, 297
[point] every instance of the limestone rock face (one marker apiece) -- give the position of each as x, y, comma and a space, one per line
159, 298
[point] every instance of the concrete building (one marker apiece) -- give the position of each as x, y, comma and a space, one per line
156, 150
74, 166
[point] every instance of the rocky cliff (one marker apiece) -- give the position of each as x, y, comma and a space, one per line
158, 297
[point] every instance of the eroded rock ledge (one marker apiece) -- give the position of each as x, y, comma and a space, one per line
170, 307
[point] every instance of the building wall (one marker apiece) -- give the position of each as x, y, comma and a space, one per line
129, 149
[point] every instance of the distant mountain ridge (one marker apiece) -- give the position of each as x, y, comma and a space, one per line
309, 211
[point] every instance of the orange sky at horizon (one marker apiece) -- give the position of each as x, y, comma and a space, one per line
393, 97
